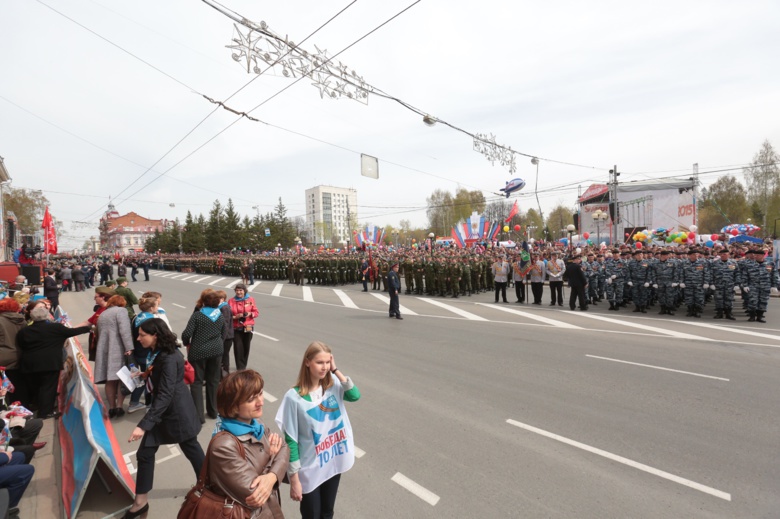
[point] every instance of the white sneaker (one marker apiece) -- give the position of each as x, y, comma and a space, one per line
135, 407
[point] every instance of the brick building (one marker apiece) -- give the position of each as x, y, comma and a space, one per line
128, 232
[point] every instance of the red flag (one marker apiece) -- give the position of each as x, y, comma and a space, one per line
513, 212
50, 235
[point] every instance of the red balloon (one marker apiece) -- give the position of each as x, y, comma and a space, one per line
639, 245
626, 235
517, 228
691, 235
586, 235
734, 232
714, 237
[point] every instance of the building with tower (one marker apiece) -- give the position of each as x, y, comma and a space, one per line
126, 233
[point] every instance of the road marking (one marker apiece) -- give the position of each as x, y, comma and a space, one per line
203, 279
268, 396
345, 300
253, 287
190, 277
140, 292
132, 469
359, 453
233, 283
307, 294
733, 330
217, 281
277, 289
174, 304
620, 459
402, 308
416, 489
177, 277
266, 336
167, 274
646, 328
657, 367
529, 315
455, 310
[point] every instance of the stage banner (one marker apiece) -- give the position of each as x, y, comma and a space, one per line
86, 436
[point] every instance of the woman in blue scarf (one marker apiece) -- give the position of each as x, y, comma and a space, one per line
203, 338
251, 479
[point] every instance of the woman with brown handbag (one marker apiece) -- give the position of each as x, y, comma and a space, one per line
245, 463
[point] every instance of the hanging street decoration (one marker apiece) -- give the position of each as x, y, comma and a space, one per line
486, 145
260, 49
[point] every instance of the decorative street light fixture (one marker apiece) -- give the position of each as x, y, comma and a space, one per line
279, 248
431, 239
599, 216
570, 229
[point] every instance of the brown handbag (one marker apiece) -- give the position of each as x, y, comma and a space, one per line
202, 503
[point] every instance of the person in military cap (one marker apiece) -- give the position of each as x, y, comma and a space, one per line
694, 280
578, 283
393, 289
666, 277
127, 293
726, 279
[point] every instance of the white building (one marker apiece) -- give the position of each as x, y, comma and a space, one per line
329, 211
5, 178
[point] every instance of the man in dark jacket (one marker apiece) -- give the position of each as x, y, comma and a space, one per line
577, 283
50, 289
393, 287
41, 346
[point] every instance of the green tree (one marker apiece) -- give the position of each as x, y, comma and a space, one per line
466, 202
192, 237
558, 219
724, 202
763, 181
215, 239
230, 226
533, 220
28, 205
440, 212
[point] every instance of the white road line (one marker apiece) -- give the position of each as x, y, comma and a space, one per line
132, 469
233, 283
416, 489
453, 309
277, 290
359, 453
657, 367
217, 281
253, 287
174, 304
625, 461
203, 279
174, 452
402, 308
307, 294
167, 274
266, 336
647, 328
729, 329
530, 315
268, 396
177, 277
190, 277
345, 300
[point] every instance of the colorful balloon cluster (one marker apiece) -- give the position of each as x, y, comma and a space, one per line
736, 229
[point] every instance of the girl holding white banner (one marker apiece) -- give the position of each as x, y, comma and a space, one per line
316, 427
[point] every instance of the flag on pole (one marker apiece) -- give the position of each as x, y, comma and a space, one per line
513, 212
49, 234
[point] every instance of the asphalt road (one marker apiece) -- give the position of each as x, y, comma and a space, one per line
476, 409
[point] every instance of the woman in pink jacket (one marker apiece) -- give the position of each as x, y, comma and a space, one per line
244, 313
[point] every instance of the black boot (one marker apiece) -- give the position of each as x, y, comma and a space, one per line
690, 311
729, 316
760, 317
697, 311
669, 310
663, 310
643, 309
752, 314
719, 313
611, 305
636, 309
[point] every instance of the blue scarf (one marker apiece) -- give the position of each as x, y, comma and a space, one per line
246, 296
143, 316
223, 303
211, 313
239, 428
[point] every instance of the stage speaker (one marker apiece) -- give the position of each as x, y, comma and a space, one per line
33, 274
577, 221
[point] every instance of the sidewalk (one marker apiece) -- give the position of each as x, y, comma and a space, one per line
43, 496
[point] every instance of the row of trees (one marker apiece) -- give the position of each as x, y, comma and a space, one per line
728, 201
226, 230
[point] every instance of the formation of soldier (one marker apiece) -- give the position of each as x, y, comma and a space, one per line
669, 278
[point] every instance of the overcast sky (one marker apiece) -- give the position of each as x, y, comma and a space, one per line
651, 87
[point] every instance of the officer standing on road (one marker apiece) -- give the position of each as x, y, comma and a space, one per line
666, 281
726, 278
393, 288
694, 281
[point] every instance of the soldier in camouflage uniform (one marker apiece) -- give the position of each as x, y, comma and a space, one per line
764, 275
419, 271
640, 278
666, 277
726, 279
694, 280
465, 280
408, 271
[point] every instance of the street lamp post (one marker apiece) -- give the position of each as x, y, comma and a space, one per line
570, 229
599, 216
432, 240
279, 248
